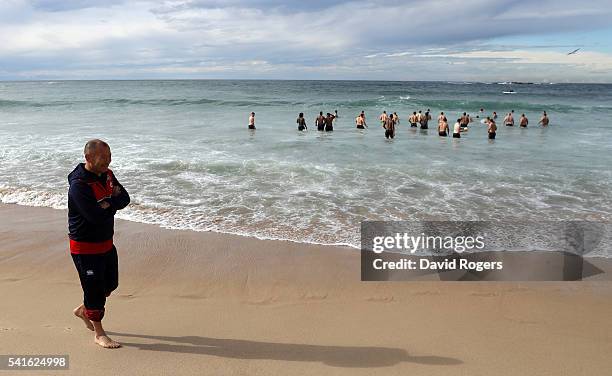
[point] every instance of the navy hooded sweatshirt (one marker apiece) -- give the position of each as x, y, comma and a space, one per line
91, 228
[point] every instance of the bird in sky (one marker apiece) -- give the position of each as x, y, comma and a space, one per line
573, 52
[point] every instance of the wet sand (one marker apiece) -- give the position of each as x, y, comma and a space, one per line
206, 303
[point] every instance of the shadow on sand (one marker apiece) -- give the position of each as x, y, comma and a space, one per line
337, 356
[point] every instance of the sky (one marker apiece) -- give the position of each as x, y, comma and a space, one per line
433, 40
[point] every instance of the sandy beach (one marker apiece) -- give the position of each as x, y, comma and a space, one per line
206, 303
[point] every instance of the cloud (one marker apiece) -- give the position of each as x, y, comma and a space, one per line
331, 39
60, 6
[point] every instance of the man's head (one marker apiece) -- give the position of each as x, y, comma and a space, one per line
97, 156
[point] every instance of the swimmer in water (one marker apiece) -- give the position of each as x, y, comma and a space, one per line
443, 127
441, 117
360, 121
464, 120
320, 122
252, 121
329, 123
544, 120
523, 121
389, 127
383, 118
301, 122
413, 120
425, 119
509, 120
457, 129
492, 129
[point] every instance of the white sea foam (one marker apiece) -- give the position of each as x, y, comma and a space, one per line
185, 168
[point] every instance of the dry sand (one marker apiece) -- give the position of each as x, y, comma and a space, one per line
215, 304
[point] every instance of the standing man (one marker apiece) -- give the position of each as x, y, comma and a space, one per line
492, 129
383, 118
320, 122
94, 197
360, 122
544, 120
457, 129
329, 123
301, 122
425, 119
441, 118
252, 121
464, 120
389, 127
443, 127
413, 120
524, 121
509, 120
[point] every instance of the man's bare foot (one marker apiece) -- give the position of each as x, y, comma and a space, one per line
79, 312
106, 342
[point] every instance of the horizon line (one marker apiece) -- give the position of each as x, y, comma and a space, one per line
297, 79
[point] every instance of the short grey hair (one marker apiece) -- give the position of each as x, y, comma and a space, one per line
92, 146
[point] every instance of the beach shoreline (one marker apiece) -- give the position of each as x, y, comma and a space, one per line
191, 302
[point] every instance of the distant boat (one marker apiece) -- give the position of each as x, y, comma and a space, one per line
509, 92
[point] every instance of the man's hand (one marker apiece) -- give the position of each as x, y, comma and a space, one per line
104, 204
116, 191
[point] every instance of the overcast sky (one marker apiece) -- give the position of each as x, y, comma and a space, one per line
457, 40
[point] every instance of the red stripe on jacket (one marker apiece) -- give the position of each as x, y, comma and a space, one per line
90, 248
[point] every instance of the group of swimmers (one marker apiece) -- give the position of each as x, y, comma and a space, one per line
388, 122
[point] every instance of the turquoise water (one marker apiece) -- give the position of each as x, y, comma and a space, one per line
183, 151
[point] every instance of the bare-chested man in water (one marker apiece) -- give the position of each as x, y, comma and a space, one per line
544, 120
383, 118
523, 121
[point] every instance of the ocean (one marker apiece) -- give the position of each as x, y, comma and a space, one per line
182, 150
